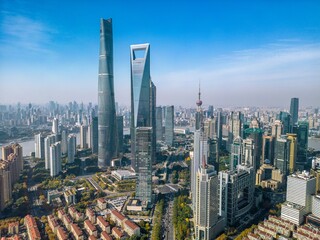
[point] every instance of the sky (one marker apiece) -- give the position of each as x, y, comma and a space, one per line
243, 53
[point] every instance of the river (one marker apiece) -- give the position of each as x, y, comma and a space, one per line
28, 145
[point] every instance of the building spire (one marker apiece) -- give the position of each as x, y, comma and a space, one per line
199, 102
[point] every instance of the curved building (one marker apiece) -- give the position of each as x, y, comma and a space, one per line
106, 104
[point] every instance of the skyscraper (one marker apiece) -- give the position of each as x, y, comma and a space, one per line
140, 92
294, 110
120, 134
47, 143
277, 129
55, 128
55, 159
94, 135
39, 146
206, 212
72, 146
106, 103
268, 149
83, 136
143, 153
143, 120
159, 133
235, 127
169, 125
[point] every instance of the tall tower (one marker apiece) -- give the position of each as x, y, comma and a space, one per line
143, 120
199, 113
140, 92
294, 110
106, 104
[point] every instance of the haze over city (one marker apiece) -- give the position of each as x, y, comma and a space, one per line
244, 53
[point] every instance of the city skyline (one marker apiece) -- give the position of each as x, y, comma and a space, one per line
259, 54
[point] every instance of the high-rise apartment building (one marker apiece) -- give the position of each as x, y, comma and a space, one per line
236, 153
294, 110
302, 131
50, 139
169, 125
64, 141
106, 103
55, 126
55, 159
39, 146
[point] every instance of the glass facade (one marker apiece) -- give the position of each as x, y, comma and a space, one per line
106, 104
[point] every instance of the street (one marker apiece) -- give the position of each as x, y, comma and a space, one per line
167, 218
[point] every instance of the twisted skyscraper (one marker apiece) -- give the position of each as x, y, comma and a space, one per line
106, 105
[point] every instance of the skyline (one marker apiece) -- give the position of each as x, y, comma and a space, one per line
250, 55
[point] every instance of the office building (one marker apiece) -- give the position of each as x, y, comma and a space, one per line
281, 155
286, 121
169, 125
236, 193
208, 224
200, 152
72, 146
50, 139
268, 176
255, 134
55, 159
268, 149
55, 127
277, 129
39, 146
94, 135
300, 188
293, 147
236, 153
235, 127
294, 110
106, 104
302, 131
213, 154
83, 136
143, 120
248, 151
210, 111
159, 128
143, 154
120, 134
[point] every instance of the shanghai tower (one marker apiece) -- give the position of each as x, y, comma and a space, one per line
106, 103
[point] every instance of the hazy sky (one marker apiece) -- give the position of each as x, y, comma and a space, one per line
245, 53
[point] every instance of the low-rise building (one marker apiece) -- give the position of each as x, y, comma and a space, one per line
13, 228
103, 224
91, 229
131, 228
105, 236
61, 234
117, 233
77, 232
91, 215
32, 228
61, 213
117, 217
123, 175
53, 224
101, 203
70, 196
67, 221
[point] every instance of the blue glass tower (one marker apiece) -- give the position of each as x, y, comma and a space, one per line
106, 104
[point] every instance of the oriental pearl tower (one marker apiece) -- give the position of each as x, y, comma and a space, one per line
199, 113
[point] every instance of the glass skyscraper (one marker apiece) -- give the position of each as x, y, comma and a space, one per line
143, 104
107, 130
294, 110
